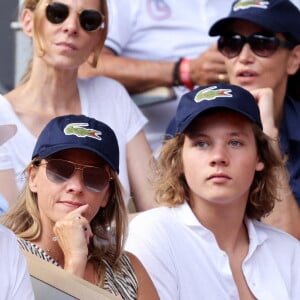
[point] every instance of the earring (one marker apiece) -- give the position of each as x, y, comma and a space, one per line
103, 237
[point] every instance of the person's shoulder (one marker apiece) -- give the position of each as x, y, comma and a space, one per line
5, 232
5, 104
105, 89
2, 98
153, 217
101, 82
277, 236
8, 240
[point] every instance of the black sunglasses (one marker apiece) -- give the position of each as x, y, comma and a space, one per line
94, 178
90, 20
262, 45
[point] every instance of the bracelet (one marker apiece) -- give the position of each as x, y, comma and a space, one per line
184, 71
176, 75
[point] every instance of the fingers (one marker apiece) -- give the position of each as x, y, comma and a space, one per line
85, 227
78, 213
213, 54
265, 100
262, 93
74, 225
208, 68
80, 210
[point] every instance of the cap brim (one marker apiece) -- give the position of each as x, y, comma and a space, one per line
48, 151
6, 132
221, 104
221, 26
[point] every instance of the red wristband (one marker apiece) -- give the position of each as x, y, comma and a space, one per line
184, 71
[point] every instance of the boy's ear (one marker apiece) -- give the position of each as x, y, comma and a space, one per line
27, 22
260, 166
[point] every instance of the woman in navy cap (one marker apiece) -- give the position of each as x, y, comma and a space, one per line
216, 178
71, 212
261, 43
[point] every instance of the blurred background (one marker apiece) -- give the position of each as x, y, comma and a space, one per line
14, 46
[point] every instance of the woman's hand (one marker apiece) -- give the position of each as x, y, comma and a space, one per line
73, 233
265, 100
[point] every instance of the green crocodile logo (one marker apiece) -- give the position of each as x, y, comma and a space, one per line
79, 130
244, 4
211, 93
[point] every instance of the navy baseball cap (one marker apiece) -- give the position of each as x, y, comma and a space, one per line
280, 16
78, 132
205, 98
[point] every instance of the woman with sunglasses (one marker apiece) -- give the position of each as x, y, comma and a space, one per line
261, 44
64, 33
71, 212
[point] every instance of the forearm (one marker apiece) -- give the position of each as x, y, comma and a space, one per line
286, 213
76, 266
139, 158
136, 75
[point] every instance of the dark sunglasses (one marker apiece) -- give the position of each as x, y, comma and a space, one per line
94, 178
262, 45
90, 20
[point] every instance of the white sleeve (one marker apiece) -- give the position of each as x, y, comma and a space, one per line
15, 279
149, 241
120, 14
295, 276
296, 2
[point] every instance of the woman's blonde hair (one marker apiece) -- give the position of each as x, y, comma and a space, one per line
38, 8
109, 225
172, 188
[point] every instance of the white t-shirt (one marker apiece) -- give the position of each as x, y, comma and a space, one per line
101, 98
185, 261
162, 30
14, 277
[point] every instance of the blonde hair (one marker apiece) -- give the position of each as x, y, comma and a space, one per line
109, 225
172, 188
38, 7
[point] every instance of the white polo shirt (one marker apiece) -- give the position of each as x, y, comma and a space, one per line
185, 262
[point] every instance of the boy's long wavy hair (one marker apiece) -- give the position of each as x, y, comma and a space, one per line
38, 8
109, 225
172, 189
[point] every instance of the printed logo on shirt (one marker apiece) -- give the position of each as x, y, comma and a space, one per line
244, 4
158, 9
79, 130
212, 93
